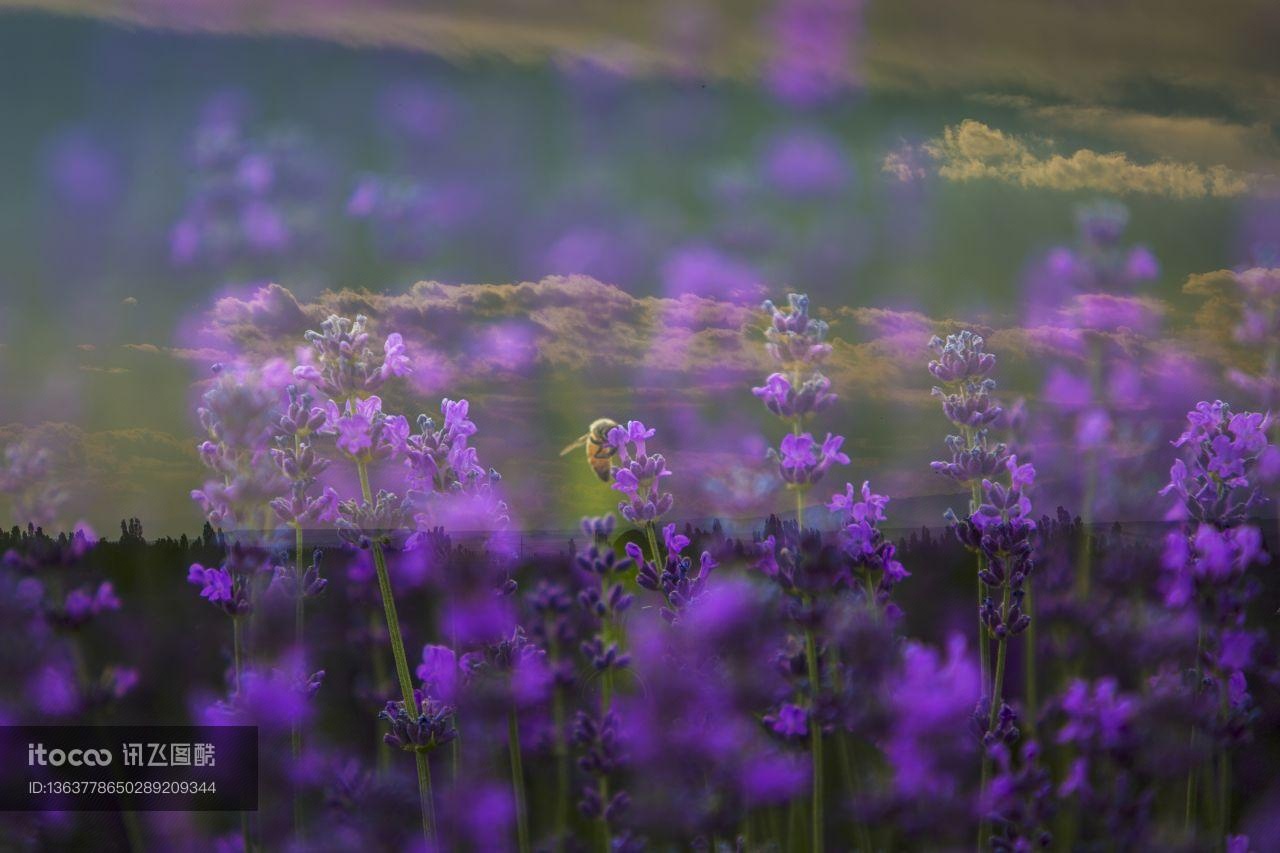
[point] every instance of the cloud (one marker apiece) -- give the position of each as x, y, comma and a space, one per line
972, 151
1198, 139
571, 324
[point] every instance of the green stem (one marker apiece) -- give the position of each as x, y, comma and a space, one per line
795, 827
847, 766
997, 687
651, 535
517, 781
984, 647
424, 796
997, 682
815, 736
402, 662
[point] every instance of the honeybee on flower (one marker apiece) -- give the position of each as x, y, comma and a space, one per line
600, 451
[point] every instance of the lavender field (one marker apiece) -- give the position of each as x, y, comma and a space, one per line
797, 425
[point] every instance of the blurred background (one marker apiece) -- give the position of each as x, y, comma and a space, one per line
573, 210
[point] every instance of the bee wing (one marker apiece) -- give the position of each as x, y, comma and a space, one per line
581, 441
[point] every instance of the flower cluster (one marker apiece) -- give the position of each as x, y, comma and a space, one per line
302, 581
788, 402
679, 581
797, 343
802, 461
607, 599
299, 462
430, 726
639, 474
344, 367
1227, 458
448, 485
963, 368
1019, 799
382, 522
81, 605
240, 414
1001, 529
872, 559
600, 757
230, 586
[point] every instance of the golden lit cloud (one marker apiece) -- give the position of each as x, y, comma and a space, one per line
972, 151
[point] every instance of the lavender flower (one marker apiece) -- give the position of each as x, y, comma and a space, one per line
639, 474
82, 605
382, 522
872, 560
240, 413
363, 431
1001, 530
429, 727
308, 584
802, 461
345, 368
605, 603
790, 721
1019, 799
448, 485
230, 585
601, 756
679, 581
972, 463
1226, 458
792, 336
787, 401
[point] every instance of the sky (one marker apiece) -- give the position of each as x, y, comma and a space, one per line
571, 210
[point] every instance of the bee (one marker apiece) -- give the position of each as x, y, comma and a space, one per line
599, 450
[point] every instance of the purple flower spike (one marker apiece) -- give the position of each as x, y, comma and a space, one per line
342, 364
639, 475
803, 462
786, 401
1227, 458
961, 358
